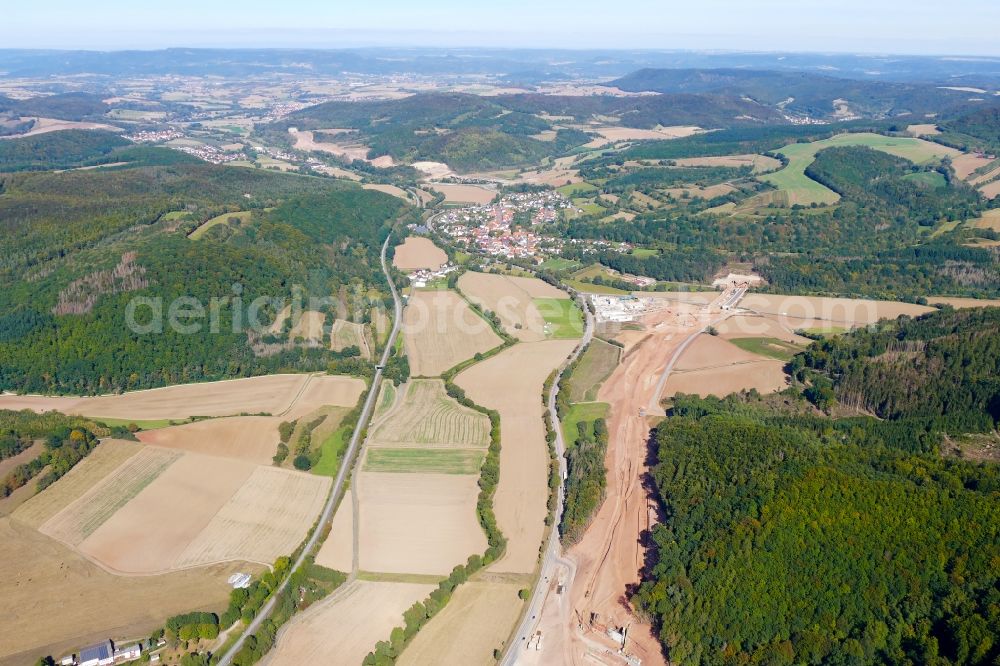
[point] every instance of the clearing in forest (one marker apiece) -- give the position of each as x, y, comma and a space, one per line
240, 217
440, 331
344, 334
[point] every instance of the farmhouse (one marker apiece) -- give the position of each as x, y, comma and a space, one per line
98, 655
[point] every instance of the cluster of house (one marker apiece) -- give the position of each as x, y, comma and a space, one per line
105, 654
211, 154
421, 278
157, 136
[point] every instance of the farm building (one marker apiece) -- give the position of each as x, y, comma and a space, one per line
101, 654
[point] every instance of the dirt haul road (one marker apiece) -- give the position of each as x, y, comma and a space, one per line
608, 560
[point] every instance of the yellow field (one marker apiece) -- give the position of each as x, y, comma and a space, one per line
471, 194
179, 503
91, 510
511, 383
476, 621
760, 163
418, 252
965, 165
511, 299
106, 458
765, 376
248, 438
388, 189
267, 517
427, 417
440, 330
345, 626
337, 551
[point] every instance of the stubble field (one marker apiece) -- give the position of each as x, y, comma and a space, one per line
418, 252
511, 298
440, 330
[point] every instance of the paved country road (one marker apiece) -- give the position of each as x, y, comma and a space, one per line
345, 466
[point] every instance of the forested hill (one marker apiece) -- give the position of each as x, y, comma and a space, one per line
64, 106
800, 92
76, 247
943, 366
469, 132
791, 537
69, 149
979, 129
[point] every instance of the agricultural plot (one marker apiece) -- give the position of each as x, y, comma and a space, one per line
267, 517
563, 319
800, 189
770, 347
709, 351
346, 624
807, 311
477, 620
148, 533
510, 300
92, 509
470, 194
764, 376
427, 417
440, 331
594, 367
45, 583
417, 523
417, 252
337, 551
758, 326
270, 394
388, 189
249, 438
102, 461
436, 461
759, 163
511, 383
344, 334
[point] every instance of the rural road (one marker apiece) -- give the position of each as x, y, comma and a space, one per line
345, 466
553, 550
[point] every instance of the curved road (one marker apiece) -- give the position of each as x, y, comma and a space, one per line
553, 549
345, 466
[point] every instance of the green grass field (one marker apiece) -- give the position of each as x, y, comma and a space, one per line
582, 412
595, 365
825, 330
560, 264
150, 424
643, 252
333, 447
242, 215
929, 179
562, 316
439, 461
770, 347
575, 189
801, 189
588, 288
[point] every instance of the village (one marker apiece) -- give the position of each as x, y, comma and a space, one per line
508, 229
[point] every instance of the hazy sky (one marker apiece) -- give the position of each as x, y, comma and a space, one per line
969, 27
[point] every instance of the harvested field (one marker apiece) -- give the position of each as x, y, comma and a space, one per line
853, 311
991, 190
388, 189
769, 326
960, 303
550, 177
759, 163
511, 383
180, 502
274, 394
345, 626
434, 461
45, 125
434, 169
765, 376
309, 327
457, 193
923, 130
710, 351
613, 134
986, 177
418, 252
709, 192
417, 523
102, 461
248, 438
511, 299
41, 574
21, 458
305, 140
594, 367
337, 551
966, 163
476, 621
80, 519
768, 347
345, 334
267, 517
427, 417
440, 331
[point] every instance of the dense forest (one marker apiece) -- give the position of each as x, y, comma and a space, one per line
79, 246
978, 129
785, 543
66, 441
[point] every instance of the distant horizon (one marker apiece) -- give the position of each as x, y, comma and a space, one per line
896, 27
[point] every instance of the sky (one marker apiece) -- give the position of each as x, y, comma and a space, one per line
959, 27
